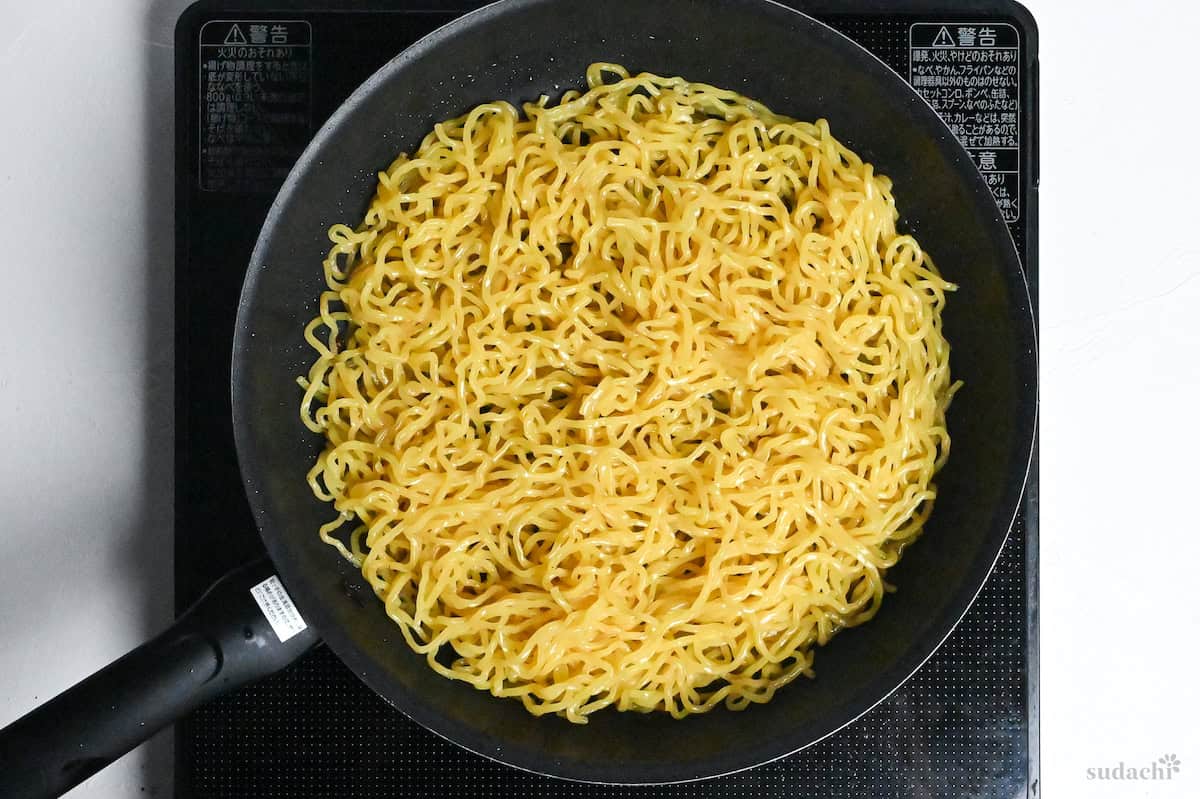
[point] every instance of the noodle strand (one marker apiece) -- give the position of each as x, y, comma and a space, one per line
630, 400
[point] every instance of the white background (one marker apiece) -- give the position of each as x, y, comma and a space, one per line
86, 365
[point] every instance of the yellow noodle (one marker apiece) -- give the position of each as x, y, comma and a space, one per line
631, 400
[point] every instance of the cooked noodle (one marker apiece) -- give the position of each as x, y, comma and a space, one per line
630, 400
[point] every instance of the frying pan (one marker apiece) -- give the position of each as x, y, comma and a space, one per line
518, 50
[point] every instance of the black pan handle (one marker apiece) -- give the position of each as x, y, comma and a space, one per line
223, 641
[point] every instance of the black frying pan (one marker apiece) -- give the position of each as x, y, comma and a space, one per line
517, 50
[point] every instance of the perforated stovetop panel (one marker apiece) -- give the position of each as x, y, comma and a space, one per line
960, 727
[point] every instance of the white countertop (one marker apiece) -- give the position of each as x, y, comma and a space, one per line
86, 372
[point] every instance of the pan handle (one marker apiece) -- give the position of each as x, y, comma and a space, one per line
223, 641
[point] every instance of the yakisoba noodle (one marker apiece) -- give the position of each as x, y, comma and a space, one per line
631, 399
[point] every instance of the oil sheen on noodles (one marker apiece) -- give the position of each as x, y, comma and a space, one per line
631, 399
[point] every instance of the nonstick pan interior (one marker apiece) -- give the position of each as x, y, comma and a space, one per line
517, 51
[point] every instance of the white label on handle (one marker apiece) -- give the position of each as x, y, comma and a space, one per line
276, 605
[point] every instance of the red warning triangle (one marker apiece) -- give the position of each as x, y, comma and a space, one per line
235, 35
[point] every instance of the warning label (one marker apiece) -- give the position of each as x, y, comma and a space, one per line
255, 102
970, 74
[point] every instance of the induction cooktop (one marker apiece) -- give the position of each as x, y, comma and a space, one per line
254, 81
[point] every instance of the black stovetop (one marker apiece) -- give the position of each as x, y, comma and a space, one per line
254, 80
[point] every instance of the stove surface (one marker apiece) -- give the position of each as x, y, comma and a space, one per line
254, 82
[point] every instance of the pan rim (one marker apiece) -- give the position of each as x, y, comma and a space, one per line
518, 756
